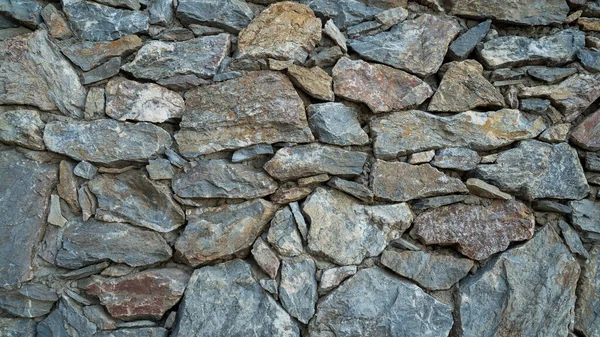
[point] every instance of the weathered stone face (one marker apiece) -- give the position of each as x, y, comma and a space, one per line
33, 72
586, 316
144, 295
336, 123
586, 215
298, 288
231, 15
228, 289
283, 31
518, 12
382, 88
496, 300
242, 112
402, 133
479, 231
87, 55
587, 133
370, 299
22, 128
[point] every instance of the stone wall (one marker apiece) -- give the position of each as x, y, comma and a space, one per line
322, 168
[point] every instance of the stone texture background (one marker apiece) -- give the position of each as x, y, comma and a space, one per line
322, 168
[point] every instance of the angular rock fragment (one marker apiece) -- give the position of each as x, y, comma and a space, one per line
481, 188
160, 169
22, 128
586, 215
551, 206
586, 313
30, 300
67, 187
556, 133
432, 271
497, 299
26, 12
67, 319
346, 231
17, 327
161, 12
94, 104
571, 96
25, 188
58, 27
33, 72
144, 295
381, 87
434, 202
331, 30
314, 81
283, 234
464, 45
551, 75
87, 202
231, 15
402, 47
135, 332
85, 170
105, 140
345, 13
309, 160
397, 181
92, 241
132, 197
54, 215
522, 12
459, 159
590, 59
573, 240
537, 170
223, 179
372, 298
332, 277
402, 133
218, 233
479, 231
463, 88
88, 55
555, 49
95, 22
102, 72
336, 123
215, 293
251, 152
285, 195
284, 31
265, 257
242, 112
142, 102
587, 133
356, 190
298, 288
158, 60
421, 157
85, 271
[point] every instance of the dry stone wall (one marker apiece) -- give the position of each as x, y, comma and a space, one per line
322, 168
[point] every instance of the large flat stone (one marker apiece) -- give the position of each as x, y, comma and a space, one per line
402, 47
298, 288
22, 128
586, 313
33, 72
313, 159
478, 230
132, 197
105, 140
224, 232
397, 181
346, 231
242, 112
402, 133
92, 241
223, 179
25, 188
521, 12
374, 303
225, 300
231, 15
159, 60
537, 170
382, 88
497, 300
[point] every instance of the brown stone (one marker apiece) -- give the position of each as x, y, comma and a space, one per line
88, 55
587, 133
286, 195
314, 81
284, 31
58, 27
589, 24
144, 295
265, 257
478, 230
463, 88
381, 87
67, 187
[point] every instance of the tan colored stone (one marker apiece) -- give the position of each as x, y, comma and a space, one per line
88, 55
587, 133
315, 81
589, 24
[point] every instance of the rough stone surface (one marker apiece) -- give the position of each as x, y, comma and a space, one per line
58, 27
242, 112
396, 181
402, 46
431, 271
26, 12
142, 102
587, 133
284, 31
33, 72
479, 231
102, 72
159, 60
345, 13
88, 55
352, 188
265, 257
550, 75
586, 215
314, 81
92, 241
144, 295
223, 179
283, 234
496, 300
481, 188
298, 288
309, 160
135, 332
105, 140
223, 232
332, 277
23, 128
30, 300
413, 131
463, 88
382, 88
572, 240
251, 152
67, 319
231, 15
17, 327
459, 159
216, 293
132, 197
586, 314
160, 169
27, 185
346, 231
518, 12
464, 45
536, 170
336, 123
368, 304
